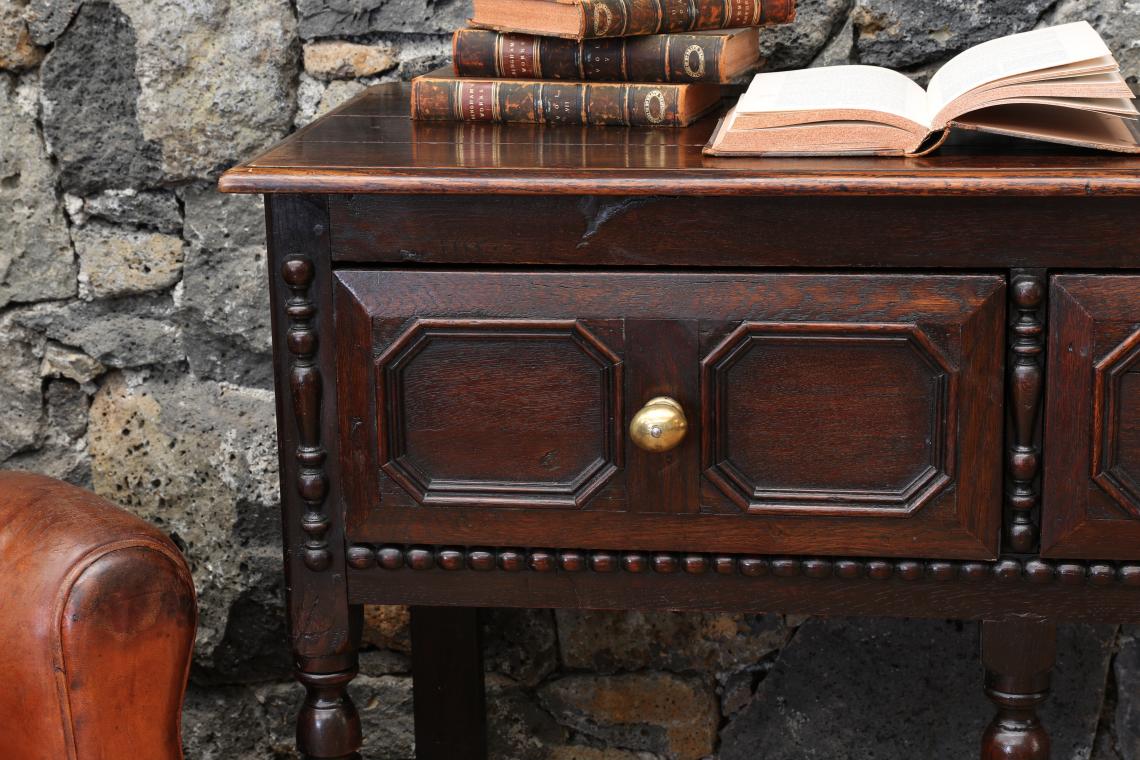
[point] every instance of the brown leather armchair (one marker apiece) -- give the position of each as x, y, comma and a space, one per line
97, 621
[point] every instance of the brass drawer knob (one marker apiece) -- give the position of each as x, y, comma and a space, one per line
659, 426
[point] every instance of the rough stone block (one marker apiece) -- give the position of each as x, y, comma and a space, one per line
47, 19
794, 46
671, 715
131, 332
90, 97
215, 79
20, 394
148, 209
114, 261
348, 60
346, 18
860, 688
634, 640
522, 644
36, 259
17, 49
903, 34
223, 302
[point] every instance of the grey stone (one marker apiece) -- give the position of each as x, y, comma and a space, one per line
522, 644
66, 362
345, 18
841, 49
712, 642
225, 723
90, 98
216, 79
129, 332
384, 662
794, 46
1127, 671
36, 260
903, 34
386, 716
148, 209
117, 261
517, 727
827, 696
315, 98
423, 53
199, 460
223, 300
18, 51
671, 715
61, 447
1118, 21
47, 19
20, 393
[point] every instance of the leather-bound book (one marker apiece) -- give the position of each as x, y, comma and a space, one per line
442, 95
589, 19
695, 57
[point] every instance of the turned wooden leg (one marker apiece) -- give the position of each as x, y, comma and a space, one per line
328, 726
447, 672
1019, 660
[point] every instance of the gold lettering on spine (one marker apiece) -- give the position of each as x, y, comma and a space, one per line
605, 16
655, 97
692, 72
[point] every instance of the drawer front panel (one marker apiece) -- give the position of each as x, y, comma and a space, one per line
825, 413
829, 418
499, 412
1091, 500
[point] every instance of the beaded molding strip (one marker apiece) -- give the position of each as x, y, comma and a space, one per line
420, 558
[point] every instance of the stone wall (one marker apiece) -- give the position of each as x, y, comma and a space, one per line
134, 359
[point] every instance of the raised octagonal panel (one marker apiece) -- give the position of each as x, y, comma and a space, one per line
828, 419
499, 412
1116, 415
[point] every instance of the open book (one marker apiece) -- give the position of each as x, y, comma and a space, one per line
1059, 84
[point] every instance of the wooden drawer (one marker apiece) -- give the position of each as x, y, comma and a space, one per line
1091, 498
828, 414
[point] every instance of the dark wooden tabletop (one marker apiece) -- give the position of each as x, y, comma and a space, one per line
370, 145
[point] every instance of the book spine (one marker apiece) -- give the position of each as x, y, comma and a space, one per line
625, 18
609, 104
654, 58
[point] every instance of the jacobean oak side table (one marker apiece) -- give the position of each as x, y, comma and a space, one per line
565, 367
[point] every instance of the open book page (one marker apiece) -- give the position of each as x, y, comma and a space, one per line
837, 88
1011, 56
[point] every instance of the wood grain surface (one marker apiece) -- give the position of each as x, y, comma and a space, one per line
369, 145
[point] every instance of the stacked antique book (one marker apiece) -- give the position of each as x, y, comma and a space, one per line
597, 62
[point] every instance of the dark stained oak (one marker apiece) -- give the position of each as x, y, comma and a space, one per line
834, 411
1092, 462
910, 387
369, 145
447, 668
1019, 661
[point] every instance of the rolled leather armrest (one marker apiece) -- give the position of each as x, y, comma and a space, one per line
97, 621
